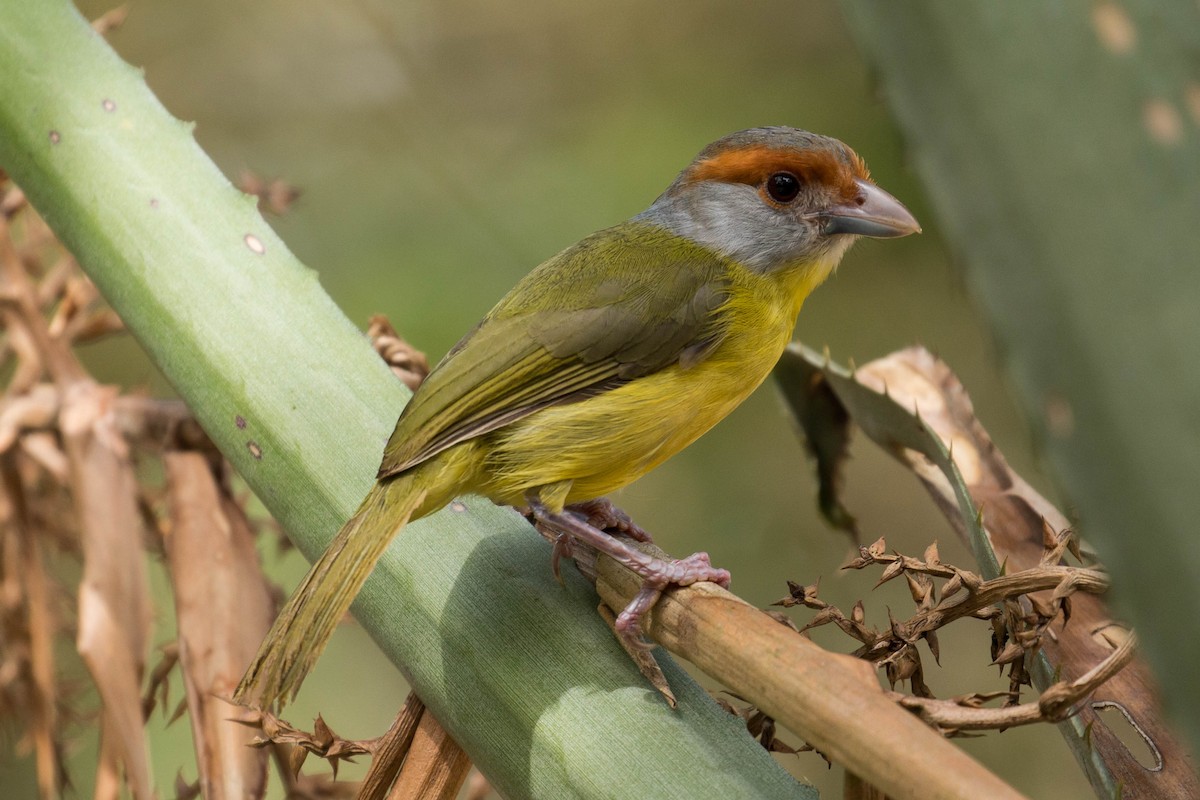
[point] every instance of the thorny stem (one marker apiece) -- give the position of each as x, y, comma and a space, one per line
1000, 600
1055, 704
991, 592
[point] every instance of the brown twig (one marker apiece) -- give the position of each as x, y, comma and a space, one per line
1054, 705
435, 768
391, 750
1014, 605
114, 606
25, 573
321, 742
964, 593
1018, 522
815, 693
406, 362
223, 607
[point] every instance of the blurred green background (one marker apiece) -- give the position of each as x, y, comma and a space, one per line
445, 148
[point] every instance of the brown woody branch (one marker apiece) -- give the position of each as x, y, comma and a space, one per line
1054, 705
822, 696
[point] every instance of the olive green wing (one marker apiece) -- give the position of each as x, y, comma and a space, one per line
622, 303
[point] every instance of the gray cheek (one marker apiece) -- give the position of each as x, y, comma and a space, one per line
734, 221
747, 230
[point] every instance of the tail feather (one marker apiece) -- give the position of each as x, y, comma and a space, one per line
307, 620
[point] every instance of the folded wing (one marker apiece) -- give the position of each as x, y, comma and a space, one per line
623, 303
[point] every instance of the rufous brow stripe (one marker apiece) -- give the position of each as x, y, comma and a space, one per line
752, 165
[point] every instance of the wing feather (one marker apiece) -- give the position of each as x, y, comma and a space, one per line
569, 330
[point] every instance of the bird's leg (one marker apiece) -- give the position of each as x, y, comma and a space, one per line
657, 574
562, 549
603, 515
560, 541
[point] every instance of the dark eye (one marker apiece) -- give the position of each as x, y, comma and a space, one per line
783, 187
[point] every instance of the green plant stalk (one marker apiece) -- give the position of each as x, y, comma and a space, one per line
521, 671
1060, 144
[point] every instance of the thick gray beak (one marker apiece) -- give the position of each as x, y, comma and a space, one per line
873, 213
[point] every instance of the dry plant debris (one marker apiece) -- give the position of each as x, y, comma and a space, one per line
223, 606
392, 750
407, 363
321, 742
1021, 609
414, 758
275, 196
913, 406
761, 726
106, 480
68, 478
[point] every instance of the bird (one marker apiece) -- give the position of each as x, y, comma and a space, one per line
600, 364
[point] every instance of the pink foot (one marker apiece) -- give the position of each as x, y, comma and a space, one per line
681, 572
603, 515
657, 575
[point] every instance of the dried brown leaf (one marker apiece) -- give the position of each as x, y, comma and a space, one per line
158, 684
296, 758
29, 665
114, 603
322, 742
891, 571
408, 363
275, 196
436, 766
931, 639
223, 608
1026, 531
1009, 653
822, 617
801, 595
33, 409
390, 750
43, 448
185, 790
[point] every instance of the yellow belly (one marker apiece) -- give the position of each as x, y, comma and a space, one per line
596, 446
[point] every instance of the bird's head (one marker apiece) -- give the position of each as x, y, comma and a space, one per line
771, 198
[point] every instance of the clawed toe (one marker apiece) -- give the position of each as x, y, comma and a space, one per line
628, 624
603, 515
657, 578
696, 568
657, 574
561, 550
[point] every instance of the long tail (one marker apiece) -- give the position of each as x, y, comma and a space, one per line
308, 619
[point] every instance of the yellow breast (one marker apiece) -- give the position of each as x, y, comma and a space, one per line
603, 443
